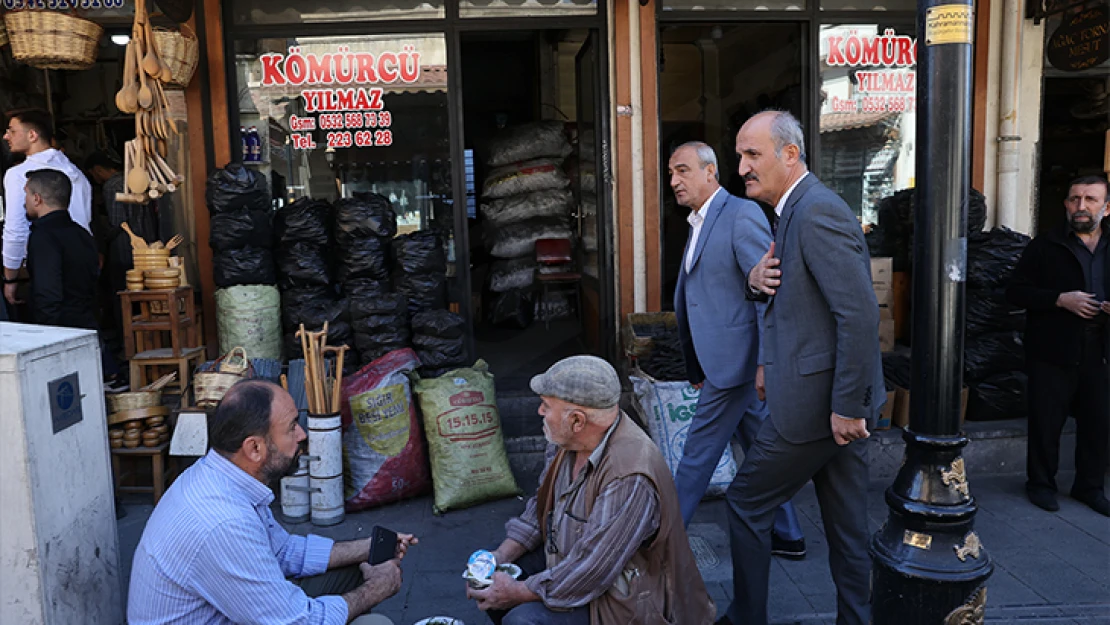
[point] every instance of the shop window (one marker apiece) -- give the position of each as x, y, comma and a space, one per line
526, 8
734, 5
249, 12
868, 109
868, 5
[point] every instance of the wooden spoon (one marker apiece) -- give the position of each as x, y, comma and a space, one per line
130, 90
151, 64
138, 180
146, 96
137, 242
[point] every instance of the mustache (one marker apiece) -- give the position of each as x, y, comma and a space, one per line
750, 177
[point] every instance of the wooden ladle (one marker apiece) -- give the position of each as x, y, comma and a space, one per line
137, 242
138, 181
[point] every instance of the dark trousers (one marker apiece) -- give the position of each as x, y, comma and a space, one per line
536, 613
773, 471
1084, 392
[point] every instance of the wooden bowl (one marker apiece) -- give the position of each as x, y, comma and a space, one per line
135, 286
162, 283
155, 421
115, 443
161, 429
133, 400
152, 442
115, 434
137, 252
132, 435
168, 273
131, 444
134, 274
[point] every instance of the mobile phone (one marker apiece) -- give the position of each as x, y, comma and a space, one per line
383, 545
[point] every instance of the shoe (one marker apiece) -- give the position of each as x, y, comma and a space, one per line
1046, 500
1096, 500
789, 549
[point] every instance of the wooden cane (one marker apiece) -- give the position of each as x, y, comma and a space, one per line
337, 375
310, 395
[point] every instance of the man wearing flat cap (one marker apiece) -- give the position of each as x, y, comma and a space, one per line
603, 538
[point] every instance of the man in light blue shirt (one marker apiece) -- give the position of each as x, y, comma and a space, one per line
212, 551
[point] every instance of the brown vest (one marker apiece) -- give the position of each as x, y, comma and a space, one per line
660, 584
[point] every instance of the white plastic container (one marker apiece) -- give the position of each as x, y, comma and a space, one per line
296, 499
325, 469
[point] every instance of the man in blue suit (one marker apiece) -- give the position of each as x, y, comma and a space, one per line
719, 329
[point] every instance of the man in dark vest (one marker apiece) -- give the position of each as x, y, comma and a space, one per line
606, 517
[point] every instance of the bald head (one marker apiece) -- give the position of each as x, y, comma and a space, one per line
771, 148
244, 412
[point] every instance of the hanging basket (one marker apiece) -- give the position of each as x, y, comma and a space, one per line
209, 387
180, 51
3, 33
52, 40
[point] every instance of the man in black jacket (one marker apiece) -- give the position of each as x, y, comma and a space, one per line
62, 258
1063, 282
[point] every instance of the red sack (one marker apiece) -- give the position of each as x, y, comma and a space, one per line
385, 458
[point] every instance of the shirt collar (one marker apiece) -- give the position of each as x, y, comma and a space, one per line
785, 196
695, 218
51, 217
595, 457
45, 156
256, 492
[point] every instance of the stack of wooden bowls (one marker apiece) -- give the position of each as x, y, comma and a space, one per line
115, 438
163, 278
150, 432
134, 279
150, 258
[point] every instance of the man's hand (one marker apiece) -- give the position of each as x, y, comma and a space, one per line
378, 584
846, 430
1105, 307
404, 541
765, 277
9, 293
1083, 304
760, 384
504, 593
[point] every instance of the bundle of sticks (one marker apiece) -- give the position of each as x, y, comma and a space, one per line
322, 384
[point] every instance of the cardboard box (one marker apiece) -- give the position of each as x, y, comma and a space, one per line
885, 297
882, 271
900, 417
886, 334
888, 409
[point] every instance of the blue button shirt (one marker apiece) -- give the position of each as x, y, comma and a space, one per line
213, 553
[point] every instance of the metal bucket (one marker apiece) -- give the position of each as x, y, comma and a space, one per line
296, 501
325, 469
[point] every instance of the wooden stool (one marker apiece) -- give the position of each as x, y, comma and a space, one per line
158, 471
156, 359
176, 316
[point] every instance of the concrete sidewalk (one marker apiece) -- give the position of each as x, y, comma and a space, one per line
1049, 567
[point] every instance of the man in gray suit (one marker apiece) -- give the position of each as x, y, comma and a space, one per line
719, 330
820, 368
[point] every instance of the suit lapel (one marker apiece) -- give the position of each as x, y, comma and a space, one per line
788, 211
712, 212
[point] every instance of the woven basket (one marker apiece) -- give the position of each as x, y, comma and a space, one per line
52, 40
209, 387
180, 51
118, 402
3, 34
636, 344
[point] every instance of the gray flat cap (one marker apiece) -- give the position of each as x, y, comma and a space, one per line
585, 381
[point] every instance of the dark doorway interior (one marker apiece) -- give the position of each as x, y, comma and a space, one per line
1073, 139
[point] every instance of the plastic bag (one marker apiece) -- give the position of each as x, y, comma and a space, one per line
999, 397
512, 309
992, 353
311, 306
528, 141
538, 175
368, 305
303, 221
383, 329
435, 352
247, 265
893, 235
365, 215
424, 291
668, 408
301, 265
365, 258
366, 289
419, 252
988, 310
515, 273
516, 240
469, 463
551, 203
237, 189
370, 350
249, 317
231, 231
666, 362
992, 256
443, 324
384, 458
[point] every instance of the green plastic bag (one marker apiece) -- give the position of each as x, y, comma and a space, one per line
469, 463
250, 317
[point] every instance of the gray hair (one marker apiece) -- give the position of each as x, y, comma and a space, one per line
786, 130
706, 155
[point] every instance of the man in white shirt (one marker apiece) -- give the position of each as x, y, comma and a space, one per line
30, 133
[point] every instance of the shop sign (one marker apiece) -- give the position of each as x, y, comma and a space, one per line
62, 5
342, 91
889, 84
1082, 41
1040, 9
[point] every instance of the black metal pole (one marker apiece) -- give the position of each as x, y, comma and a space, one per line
929, 566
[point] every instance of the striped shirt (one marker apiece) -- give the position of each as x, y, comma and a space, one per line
586, 553
212, 553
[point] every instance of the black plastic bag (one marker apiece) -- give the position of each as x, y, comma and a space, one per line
424, 291
988, 310
512, 309
444, 353
311, 306
381, 304
303, 221
237, 189
385, 328
365, 288
229, 231
666, 362
419, 252
999, 397
365, 215
528, 141
367, 257
519, 239
302, 265
992, 256
992, 353
247, 265
893, 235
515, 273
442, 324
